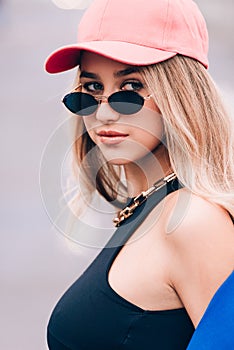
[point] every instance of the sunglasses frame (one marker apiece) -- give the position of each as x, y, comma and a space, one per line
100, 98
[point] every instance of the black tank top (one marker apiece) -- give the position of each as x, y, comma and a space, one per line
91, 315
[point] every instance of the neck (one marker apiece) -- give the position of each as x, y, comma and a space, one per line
143, 173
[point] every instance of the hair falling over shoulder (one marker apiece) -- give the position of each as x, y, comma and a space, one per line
198, 133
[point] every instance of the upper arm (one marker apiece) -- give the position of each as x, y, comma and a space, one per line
201, 250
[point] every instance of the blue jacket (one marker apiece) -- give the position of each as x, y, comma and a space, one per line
215, 331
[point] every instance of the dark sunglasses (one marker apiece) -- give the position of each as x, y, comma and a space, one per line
123, 102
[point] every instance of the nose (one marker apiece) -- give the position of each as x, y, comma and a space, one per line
106, 114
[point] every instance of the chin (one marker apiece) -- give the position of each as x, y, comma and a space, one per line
119, 161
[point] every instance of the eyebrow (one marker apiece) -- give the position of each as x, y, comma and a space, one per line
118, 74
90, 75
126, 71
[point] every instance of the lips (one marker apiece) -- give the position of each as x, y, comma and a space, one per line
111, 137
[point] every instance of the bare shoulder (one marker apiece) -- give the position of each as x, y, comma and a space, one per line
199, 236
200, 228
185, 211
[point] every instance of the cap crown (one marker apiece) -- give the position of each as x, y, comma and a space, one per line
171, 25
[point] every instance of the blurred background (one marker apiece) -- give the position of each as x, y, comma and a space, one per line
36, 262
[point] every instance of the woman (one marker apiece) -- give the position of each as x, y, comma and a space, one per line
144, 102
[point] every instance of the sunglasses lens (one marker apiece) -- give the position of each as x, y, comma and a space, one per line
123, 102
126, 102
80, 103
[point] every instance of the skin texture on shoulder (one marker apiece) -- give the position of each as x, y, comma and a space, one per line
201, 249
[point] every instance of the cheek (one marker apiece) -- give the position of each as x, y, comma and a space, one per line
89, 123
147, 140
149, 128
150, 104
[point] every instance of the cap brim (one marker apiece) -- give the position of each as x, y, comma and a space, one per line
68, 57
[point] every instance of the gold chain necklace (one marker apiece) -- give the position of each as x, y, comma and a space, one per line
141, 198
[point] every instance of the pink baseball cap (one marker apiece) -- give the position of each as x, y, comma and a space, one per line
136, 32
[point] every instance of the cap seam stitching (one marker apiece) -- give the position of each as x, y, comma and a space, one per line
164, 32
103, 15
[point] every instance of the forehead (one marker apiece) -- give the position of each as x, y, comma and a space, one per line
92, 61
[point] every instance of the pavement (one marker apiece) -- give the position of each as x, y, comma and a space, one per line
37, 263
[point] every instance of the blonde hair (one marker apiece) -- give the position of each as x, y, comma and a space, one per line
199, 135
